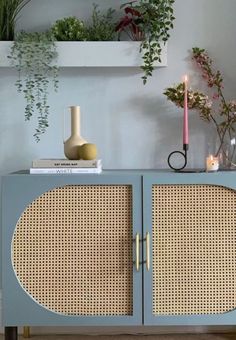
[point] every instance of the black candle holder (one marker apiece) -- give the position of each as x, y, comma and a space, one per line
183, 154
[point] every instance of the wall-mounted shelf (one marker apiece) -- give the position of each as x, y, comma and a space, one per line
92, 54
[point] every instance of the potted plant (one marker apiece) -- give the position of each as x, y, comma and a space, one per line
69, 29
130, 23
100, 28
9, 11
149, 21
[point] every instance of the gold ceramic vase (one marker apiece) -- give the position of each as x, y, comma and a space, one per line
71, 145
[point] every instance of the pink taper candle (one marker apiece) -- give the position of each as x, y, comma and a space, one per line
185, 127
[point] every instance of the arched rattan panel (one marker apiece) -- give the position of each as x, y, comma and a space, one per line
194, 249
72, 250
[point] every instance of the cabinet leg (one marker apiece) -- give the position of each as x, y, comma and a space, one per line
10, 333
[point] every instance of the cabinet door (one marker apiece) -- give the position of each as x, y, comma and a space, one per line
68, 250
191, 220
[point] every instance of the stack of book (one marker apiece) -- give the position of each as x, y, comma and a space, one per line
65, 166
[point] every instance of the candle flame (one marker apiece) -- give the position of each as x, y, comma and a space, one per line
186, 78
212, 158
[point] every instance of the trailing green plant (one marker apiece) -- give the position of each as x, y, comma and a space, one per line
102, 26
152, 20
33, 54
9, 10
69, 29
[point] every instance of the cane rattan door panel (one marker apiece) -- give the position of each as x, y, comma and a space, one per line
72, 250
194, 249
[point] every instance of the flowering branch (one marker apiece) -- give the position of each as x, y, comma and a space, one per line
216, 110
214, 80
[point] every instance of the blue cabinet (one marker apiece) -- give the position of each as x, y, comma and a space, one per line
119, 248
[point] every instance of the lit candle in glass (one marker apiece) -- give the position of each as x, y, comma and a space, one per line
212, 163
185, 123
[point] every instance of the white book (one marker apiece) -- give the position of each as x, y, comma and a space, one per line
66, 170
66, 163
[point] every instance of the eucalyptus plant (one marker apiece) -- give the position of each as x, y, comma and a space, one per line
9, 10
33, 54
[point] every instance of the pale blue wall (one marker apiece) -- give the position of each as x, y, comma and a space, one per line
133, 125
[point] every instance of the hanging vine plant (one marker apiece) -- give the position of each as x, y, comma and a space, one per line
149, 21
33, 54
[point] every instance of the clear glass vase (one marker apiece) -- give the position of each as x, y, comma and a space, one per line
227, 154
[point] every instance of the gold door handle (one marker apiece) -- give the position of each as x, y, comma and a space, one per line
137, 240
148, 251
26, 332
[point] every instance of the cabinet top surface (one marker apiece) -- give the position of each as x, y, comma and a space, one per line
136, 177
130, 172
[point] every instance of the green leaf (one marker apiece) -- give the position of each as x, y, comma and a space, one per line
34, 56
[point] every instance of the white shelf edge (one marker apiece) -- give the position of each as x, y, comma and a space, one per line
93, 54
